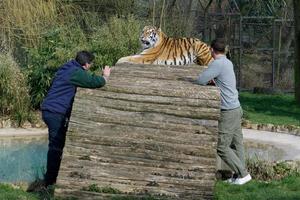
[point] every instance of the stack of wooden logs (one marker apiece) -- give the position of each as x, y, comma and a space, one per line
150, 130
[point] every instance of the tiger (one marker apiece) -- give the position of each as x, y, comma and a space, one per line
160, 49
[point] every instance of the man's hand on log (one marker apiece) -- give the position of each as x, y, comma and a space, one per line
106, 72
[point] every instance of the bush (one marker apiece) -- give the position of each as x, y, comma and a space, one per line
117, 38
56, 47
266, 170
14, 98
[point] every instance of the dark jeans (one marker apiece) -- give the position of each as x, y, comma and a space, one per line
57, 128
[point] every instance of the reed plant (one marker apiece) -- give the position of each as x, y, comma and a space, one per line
268, 171
28, 20
14, 97
43, 35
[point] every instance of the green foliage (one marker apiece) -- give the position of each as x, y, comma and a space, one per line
14, 96
56, 47
285, 189
39, 79
117, 38
270, 109
262, 8
42, 35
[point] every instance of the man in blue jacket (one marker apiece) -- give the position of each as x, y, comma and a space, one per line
57, 106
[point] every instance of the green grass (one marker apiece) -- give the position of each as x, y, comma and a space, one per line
7, 192
270, 109
285, 189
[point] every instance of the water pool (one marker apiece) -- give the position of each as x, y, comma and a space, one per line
22, 158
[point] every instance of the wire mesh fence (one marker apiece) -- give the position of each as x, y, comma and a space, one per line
261, 47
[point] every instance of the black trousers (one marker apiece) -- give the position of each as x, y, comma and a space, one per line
57, 128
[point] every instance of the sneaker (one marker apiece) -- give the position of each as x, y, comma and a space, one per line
242, 181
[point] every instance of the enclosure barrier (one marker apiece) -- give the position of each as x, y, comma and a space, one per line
150, 131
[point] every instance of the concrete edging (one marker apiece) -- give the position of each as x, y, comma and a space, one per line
21, 132
287, 129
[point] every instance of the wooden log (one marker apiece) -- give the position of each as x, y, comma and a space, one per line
147, 120
179, 101
122, 86
182, 111
150, 130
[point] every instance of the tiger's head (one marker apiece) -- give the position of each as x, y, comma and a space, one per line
150, 36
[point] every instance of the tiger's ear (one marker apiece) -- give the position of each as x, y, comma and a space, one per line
159, 29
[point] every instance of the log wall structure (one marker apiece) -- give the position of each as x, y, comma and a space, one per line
150, 130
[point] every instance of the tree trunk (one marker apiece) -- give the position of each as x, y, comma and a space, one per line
187, 11
297, 49
206, 8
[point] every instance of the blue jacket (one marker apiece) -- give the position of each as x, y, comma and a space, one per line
61, 94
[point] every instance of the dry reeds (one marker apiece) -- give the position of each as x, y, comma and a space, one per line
14, 98
29, 19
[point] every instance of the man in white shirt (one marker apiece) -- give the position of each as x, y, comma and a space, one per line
230, 139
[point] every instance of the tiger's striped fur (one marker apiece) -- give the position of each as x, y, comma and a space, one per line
162, 50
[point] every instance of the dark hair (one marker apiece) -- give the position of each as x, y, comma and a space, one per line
218, 45
84, 57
